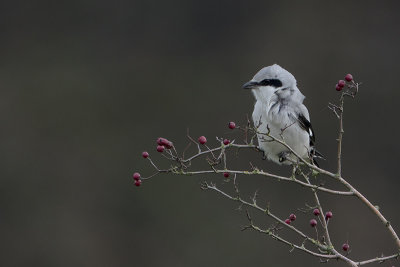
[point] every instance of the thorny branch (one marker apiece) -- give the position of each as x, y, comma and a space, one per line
338, 175
218, 155
271, 232
253, 204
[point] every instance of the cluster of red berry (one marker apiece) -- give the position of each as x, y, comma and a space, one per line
328, 215
136, 177
313, 222
291, 218
316, 212
341, 83
163, 143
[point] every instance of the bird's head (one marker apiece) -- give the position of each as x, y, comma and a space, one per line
272, 80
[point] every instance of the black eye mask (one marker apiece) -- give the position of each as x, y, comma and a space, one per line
271, 82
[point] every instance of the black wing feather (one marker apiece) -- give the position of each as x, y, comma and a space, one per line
306, 126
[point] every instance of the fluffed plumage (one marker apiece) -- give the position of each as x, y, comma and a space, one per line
279, 110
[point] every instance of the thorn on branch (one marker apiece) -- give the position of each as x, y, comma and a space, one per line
248, 217
335, 109
254, 198
244, 228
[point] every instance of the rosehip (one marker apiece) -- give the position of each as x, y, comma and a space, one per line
165, 142
160, 149
168, 144
316, 212
202, 140
292, 217
328, 215
338, 88
227, 142
136, 176
341, 83
138, 182
287, 221
160, 141
232, 125
345, 247
145, 154
348, 77
313, 223
226, 174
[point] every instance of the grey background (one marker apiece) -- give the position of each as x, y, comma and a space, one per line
86, 86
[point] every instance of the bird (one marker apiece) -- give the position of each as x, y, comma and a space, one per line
279, 112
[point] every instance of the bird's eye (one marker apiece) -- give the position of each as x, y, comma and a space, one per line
271, 82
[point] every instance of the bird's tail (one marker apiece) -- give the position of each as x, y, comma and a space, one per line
315, 154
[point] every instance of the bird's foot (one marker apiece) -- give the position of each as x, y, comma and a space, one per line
264, 157
283, 156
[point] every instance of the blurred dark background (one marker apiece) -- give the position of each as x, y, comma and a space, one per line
86, 86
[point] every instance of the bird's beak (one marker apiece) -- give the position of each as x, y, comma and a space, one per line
250, 85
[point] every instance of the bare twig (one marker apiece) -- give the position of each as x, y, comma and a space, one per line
379, 259
200, 153
348, 185
266, 174
331, 253
340, 138
292, 245
218, 164
265, 211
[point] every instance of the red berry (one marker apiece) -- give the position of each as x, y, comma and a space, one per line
160, 149
202, 140
232, 125
316, 212
145, 154
226, 174
164, 142
159, 141
338, 88
138, 182
287, 221
292, 217
227, 142
345, 247
328, 215
341, 83
168, 144
348, 77
313, 223
136, 176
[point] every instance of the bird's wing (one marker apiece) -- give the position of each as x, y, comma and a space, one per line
303, 119
305, 124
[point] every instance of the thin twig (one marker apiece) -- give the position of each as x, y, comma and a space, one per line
266, 174
301, 248
267, 212
340, 138
379, 259
216, 149
349, 186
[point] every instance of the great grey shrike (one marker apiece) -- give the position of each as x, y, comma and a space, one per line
279, 111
